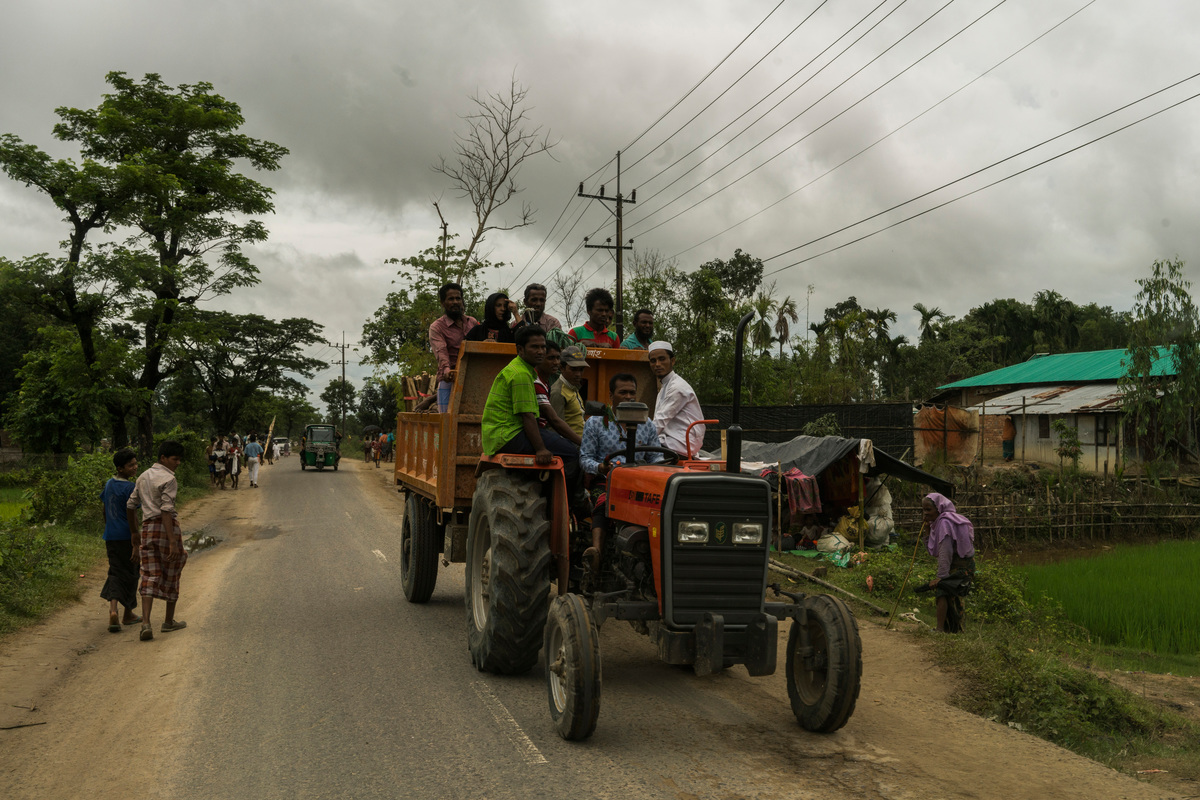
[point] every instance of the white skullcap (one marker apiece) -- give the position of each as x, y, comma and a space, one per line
660, 346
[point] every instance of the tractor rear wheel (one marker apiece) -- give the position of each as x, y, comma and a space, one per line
419, 548
823, 686
572, 667
507, 572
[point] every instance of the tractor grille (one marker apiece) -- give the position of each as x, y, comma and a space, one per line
724, 578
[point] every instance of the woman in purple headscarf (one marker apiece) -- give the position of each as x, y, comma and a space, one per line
952, 543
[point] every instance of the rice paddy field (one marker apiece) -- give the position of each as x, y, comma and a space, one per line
1145, 597
12, 502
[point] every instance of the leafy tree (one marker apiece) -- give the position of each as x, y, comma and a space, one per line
1161, 411
174, 151
929, 319
338, 396
786, 315
56, 406
378, 402
234, 355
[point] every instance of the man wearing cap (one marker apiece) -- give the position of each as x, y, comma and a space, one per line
677, 406
564, 394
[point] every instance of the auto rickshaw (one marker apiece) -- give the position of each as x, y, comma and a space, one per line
319, 448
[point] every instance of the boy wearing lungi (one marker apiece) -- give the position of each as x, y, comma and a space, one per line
162, 550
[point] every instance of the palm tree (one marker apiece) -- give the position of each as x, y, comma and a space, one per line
786, 314
928, 317
760, 329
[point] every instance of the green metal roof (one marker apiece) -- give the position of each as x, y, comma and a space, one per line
1098, 365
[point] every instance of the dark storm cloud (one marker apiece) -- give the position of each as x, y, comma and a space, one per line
367, 95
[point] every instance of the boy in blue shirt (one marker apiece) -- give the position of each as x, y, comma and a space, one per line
121, 540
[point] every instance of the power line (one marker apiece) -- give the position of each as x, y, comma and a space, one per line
983, 169
892, 132
793, 119
735, 83
707, 75
768, 94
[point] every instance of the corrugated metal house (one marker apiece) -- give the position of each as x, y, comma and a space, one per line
1080, 388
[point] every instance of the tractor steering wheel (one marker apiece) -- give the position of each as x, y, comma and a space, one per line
670, 456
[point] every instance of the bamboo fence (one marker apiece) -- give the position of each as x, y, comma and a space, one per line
1089, 513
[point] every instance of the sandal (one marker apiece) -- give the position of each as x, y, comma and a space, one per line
177, 625
147, 632
113, 625
133, 621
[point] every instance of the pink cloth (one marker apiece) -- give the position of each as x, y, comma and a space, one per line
446, 337
949, 524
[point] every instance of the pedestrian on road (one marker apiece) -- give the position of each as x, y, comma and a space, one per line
376, 448
254, 453
235, 461
162, 553
220, 461
952, 543
121, 541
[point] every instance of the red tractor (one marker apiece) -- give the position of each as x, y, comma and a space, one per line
684, 562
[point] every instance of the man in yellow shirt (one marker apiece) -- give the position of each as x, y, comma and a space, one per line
564, 395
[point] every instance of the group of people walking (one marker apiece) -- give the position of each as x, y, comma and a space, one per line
229, 455
379, 447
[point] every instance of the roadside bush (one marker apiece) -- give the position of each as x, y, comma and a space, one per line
18, 478
72, 494
26, 550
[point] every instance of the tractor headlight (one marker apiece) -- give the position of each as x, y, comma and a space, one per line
692, 533
747, 533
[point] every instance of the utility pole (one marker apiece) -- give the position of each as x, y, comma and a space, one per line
445, 234
620, 201
342, 348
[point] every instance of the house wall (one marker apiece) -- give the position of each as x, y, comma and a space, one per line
1100, 449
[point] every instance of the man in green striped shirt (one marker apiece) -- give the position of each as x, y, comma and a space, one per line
510, 416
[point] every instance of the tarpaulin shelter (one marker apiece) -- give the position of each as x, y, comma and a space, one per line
813, 455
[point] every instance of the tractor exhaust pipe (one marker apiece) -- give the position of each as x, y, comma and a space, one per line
733, 436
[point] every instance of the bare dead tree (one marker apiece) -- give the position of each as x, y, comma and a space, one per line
498, 140
567, 288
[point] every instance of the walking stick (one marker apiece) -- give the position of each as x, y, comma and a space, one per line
904, 585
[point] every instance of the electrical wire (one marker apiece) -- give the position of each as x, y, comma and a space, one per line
707, 75
892, 132
793, 119
783, 99
724, 91
983, 169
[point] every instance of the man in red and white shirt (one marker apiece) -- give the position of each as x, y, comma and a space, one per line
595, 332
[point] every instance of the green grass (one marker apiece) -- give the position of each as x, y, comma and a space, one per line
1143, 597
12, 502
49, 579
1022, 661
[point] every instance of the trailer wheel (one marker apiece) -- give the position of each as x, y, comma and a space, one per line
419, 548
823, 686
572, 667
507, 572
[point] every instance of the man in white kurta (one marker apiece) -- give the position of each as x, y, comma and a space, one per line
677, 406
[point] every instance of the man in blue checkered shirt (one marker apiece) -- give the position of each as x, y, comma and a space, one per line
602, 436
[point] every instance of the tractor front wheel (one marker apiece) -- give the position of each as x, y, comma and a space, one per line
823, 678
572, 667
418, 549
507, 572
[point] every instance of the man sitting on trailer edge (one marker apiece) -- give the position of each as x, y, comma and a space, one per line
510, 416
677, 406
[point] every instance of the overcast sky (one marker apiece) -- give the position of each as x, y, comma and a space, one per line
367, 95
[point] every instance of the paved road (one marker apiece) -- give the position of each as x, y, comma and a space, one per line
320, 680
